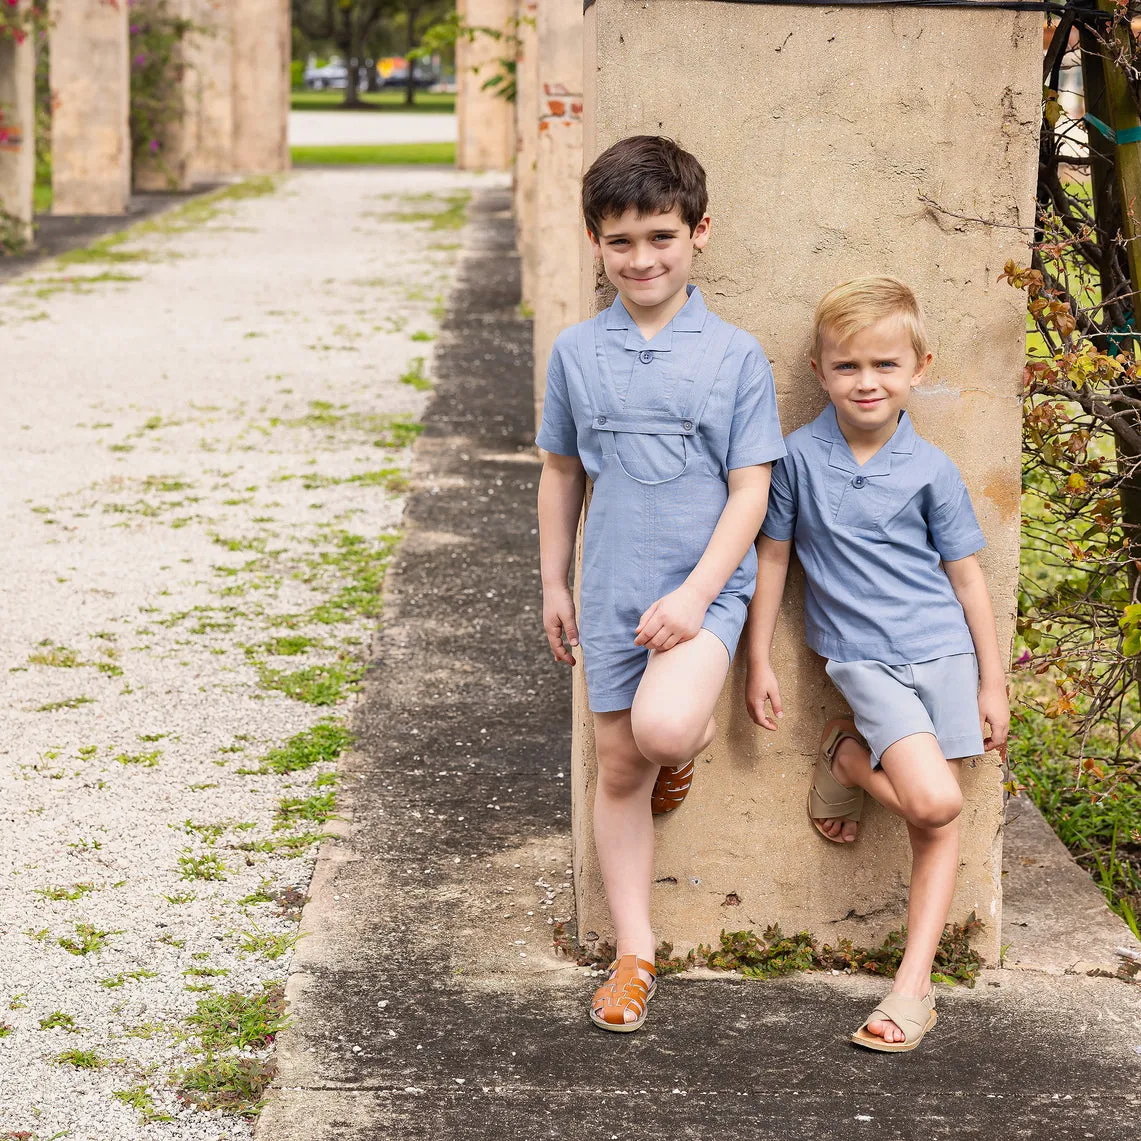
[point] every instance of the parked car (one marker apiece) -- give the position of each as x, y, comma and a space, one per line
334, 76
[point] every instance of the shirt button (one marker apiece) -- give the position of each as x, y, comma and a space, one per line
602, 419
646, 357
859, 481
687, 425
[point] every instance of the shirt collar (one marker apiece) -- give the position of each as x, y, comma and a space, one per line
902, 442
690, 318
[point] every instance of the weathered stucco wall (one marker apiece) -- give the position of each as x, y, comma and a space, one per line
210, 57
485, 122
18, 150
261, 55
837, 143
91, 94
526, 143
558, 164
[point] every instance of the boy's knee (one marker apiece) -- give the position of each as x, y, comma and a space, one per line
936, 809
665, 742
621, 778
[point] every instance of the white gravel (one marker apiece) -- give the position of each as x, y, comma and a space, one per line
169, 506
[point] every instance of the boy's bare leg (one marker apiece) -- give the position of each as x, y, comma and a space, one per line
671, 720
916, 782
624, 832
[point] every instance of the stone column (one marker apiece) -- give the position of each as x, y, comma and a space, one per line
261, 54
167, 166
558, 216
485, 122
17, 140
91, 97
837, 143
210, 58
526, 142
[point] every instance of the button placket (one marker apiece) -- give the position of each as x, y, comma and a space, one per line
646, 356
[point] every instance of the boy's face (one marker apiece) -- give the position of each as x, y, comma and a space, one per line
869, 377
648, 258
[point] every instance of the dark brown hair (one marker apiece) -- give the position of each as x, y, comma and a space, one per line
647, 173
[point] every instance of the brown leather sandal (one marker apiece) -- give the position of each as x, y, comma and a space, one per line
670, 788
624, 990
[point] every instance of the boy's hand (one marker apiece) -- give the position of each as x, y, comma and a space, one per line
675, 617
994, 710
761, 686
559, 622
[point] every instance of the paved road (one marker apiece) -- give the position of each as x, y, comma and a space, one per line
366, 128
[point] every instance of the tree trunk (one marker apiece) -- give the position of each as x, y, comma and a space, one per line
351, 40
410, 82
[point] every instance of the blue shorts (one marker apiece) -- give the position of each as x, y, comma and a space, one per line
889, 703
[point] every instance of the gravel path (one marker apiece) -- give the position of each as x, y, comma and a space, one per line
206, 433
365, 128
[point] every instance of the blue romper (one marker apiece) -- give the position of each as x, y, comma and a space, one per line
658, 425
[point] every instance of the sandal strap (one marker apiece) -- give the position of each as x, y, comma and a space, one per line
911, 1015
671, 787
625, 990
829, 798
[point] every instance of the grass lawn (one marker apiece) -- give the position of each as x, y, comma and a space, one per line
395, 154
43, 197
379, 101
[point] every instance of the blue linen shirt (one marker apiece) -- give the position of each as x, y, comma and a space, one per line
871, 539
739, 423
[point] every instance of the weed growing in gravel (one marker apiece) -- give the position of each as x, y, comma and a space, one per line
113, 981
317, 808
204, 867
239, 1021
234, 1084
209, 833
415, 377
75, 891
205, 972
16, 1002
66, 703
315, 685
398, 432
59, 1020
324, 742
81, 1059
181, 897
422, 335
139, 1097
269, 945
59, 657
293, 845
147, 760
451, 215
6, 1028
88, 939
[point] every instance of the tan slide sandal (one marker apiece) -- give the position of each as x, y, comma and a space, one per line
914, 1016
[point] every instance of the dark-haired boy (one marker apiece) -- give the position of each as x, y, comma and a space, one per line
672, 414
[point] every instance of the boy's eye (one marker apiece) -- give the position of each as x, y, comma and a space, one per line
843, 366
663, 237
886, 364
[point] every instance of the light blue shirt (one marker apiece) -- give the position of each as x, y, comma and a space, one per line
738, 424
871, 539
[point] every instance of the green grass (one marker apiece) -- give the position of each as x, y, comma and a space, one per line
393, 154
325, 742
43, 197
88, 939
81, 1059
204, 867
389, 100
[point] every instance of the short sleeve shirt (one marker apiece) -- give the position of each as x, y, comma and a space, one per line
739, 426
871, 539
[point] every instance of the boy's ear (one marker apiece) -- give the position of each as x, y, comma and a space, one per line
701, 232
594, 243
816, 370
921, 370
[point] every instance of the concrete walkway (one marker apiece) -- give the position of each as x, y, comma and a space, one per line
364, 128
428, 1000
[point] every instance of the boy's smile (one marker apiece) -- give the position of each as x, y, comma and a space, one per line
869, 378
648, 261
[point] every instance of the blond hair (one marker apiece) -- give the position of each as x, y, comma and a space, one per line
856, 304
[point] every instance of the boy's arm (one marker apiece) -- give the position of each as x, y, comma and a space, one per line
677, 616
562, 487
970, 589
761, 683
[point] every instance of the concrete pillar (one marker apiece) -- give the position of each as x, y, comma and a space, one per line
91, 97
168, 167
261, 55
837, 143
210, 58
17, 140
558, 215
526, 142
485, 122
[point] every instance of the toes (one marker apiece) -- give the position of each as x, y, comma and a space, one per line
849, 830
